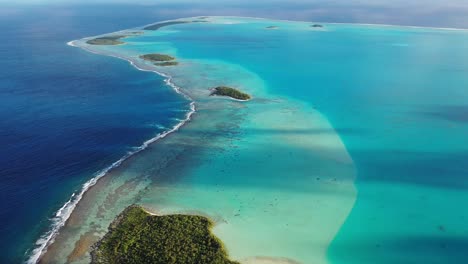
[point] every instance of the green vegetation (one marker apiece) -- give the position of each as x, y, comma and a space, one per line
317, 26
155, 57
272, 27
170, 23
164, 24
231, 92
167, 63
110, 40
136, 237
160, 59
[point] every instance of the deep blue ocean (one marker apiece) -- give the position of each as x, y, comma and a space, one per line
65, 113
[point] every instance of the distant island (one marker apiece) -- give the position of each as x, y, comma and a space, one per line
231, 92
160, 59
170, 23
164, 24
166, 63
317, 26
110, 40
272, 27
136, 236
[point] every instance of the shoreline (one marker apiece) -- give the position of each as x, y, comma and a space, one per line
322, 22
71, 43
345, 23
45, 241
61, 216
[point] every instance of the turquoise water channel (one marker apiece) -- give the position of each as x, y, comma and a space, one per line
352, 149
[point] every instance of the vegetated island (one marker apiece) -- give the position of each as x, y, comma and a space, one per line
170, 23
166, 63
164, 24
136, 236
272, 27
317, 26
160, 59
110, 40
231, 92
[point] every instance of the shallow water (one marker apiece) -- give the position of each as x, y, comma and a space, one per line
277, 173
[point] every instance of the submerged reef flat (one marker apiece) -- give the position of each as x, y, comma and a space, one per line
275, 174
287, 210
136, 236
110, 40
230, 92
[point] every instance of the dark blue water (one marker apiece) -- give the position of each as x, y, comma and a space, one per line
66, 113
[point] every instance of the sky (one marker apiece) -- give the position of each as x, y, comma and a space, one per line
376, 3
436, 13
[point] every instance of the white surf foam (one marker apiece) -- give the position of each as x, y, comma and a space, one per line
71, 43
62, 215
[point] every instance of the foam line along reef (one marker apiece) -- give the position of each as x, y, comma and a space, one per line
62, 215
272, 164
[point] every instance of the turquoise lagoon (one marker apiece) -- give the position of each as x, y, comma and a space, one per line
352, 150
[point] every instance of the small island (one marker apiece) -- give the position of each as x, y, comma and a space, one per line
160, 59
136, 236
156, 57
109, 40
166, 63
230, 92
170, 23
164, 24
113, 40
272, 27
317, 26
134, 33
